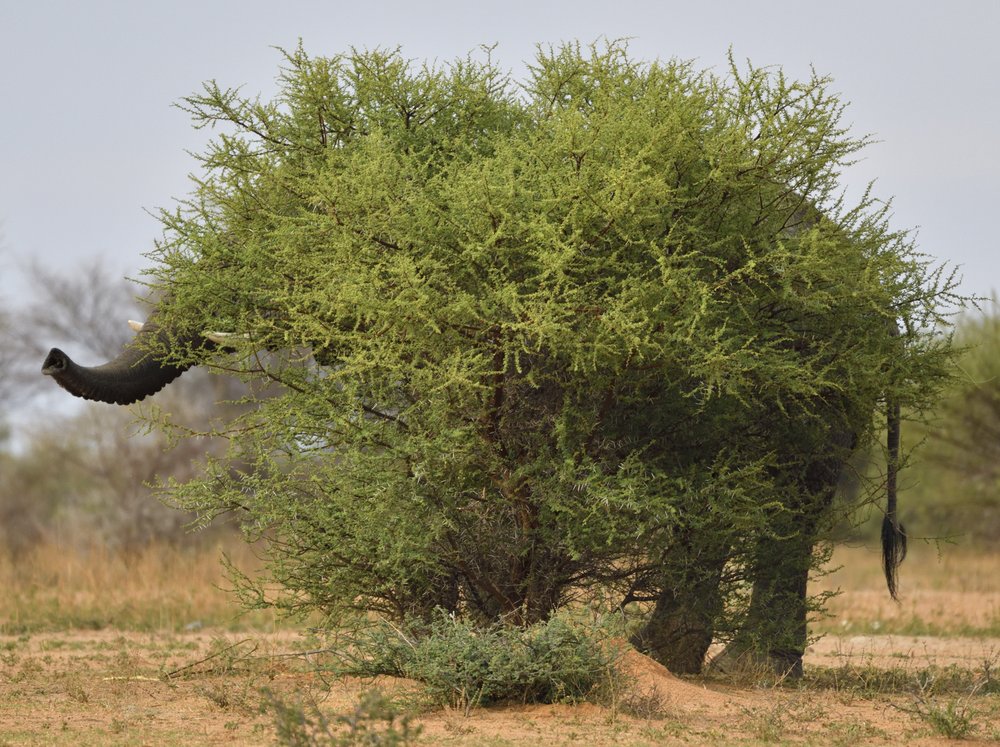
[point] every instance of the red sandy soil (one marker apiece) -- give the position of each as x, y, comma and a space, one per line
107, 688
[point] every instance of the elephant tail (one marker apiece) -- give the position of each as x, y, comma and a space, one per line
893, 533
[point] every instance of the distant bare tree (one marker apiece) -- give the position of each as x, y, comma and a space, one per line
7, 355
101, 467
89, 475
86, 310
6, 364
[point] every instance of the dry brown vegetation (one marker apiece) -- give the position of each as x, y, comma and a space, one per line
145, 648
161, 587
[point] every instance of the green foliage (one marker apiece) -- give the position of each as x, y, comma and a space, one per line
464, 665
954, 718
373, 721
608, 326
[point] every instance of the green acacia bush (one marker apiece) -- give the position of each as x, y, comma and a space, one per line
584, 332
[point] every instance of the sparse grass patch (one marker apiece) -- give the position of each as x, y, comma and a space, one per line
943, 697
240, 694
92, 689
374, 720
953, 718
767, 724
224, 657
623, 696
870, 681
230, 674
104, 685
646, 703
853, 731
77, 692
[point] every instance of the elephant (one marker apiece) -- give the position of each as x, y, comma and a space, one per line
679, 630
773, 636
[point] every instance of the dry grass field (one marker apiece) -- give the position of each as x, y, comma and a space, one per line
97, 649
162, 588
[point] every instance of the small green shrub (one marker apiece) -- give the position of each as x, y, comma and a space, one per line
463, 665
953, 719
373, 721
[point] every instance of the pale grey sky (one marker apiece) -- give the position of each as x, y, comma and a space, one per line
89, 140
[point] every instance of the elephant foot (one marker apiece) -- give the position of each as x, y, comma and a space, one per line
745, 660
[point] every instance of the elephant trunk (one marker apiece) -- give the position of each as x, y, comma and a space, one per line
133, 375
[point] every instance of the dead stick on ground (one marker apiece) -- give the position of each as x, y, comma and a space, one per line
211, 656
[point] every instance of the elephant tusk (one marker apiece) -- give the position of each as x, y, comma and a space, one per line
222, 338
219, 338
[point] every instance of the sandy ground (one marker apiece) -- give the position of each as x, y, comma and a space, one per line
109, 688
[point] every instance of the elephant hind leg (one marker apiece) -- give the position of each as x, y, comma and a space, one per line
772, 639
680, 628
